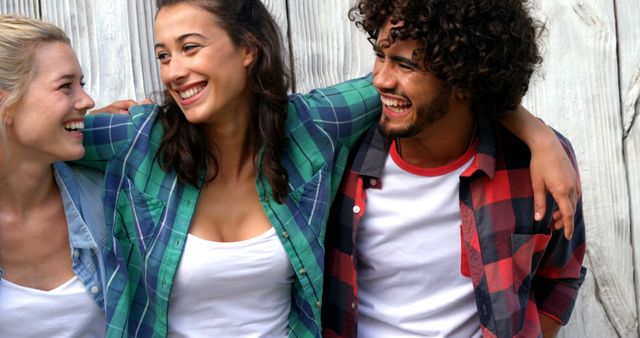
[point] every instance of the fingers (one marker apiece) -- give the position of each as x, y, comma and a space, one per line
539, 199
117, 107
566, 206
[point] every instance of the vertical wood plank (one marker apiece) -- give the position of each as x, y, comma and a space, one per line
278, 9
628, 15
327, 47
146, 75
99, 32
579, 96
28, 8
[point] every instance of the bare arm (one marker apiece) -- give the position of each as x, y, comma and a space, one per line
551, 168
119, 107
549, 327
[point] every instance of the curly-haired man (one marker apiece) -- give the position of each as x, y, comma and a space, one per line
433, 226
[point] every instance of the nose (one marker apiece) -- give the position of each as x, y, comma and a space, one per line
173, 71
383, 76
84, 101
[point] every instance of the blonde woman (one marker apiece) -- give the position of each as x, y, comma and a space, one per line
51, 218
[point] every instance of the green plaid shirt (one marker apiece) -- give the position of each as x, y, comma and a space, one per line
149, 210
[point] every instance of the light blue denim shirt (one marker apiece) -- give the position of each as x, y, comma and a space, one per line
81, 191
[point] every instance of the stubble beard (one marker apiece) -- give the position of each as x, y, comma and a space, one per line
426, 115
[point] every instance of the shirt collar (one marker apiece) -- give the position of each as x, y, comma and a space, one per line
485, 160
373, 151
371, 155
79, 234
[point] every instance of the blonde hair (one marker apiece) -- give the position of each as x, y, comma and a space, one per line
19, 40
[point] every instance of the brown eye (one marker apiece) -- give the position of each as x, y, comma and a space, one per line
162, 56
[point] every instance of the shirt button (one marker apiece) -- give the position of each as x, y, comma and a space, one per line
76, 253
318, 304
353, 305
285, 234
95, 289
302, 271
356, 209
373, 181
266, 198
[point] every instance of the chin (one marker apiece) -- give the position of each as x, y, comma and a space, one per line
394, 130
193, 116
73, 155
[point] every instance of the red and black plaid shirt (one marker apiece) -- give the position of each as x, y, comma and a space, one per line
519, 267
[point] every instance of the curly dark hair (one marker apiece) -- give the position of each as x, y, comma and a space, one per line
486, 48
185, 146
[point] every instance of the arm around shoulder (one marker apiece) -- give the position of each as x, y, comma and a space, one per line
344, 111
105, 135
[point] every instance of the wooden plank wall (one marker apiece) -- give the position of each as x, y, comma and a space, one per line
588, 89
628, 23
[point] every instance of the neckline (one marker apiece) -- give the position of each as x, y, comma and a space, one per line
34, 290
205, 242
435, 171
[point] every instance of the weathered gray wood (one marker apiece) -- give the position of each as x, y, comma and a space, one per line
278, 9
327, 47
586, 310
628, 23
144, 64
579, 95
100, 34
30, 8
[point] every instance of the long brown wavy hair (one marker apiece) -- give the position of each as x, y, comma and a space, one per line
185, 146
486, 48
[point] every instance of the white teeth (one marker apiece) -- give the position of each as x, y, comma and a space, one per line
78, 125
190, 92
400, 110
397, 105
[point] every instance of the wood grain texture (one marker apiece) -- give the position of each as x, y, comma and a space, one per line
29, 8
100, 34
579, 96
278, 9
327, 47
628, 23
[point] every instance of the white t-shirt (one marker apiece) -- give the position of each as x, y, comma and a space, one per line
232, 289
409, 260
66, 311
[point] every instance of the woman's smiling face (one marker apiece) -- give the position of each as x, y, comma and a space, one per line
200, 66
47, 122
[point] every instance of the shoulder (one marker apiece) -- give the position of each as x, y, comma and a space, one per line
512, 147
354, 94
145, 115
84, 179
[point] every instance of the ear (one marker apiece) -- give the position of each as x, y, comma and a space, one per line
250, 50
250, 55
462, 96
5, 112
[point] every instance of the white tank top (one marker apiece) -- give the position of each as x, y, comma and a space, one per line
66, 311
232, 289
409, 278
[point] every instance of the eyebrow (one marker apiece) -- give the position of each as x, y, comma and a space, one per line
181, 38
398, 58
69, 77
